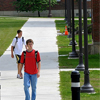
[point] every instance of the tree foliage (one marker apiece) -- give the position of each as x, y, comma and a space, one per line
33, 5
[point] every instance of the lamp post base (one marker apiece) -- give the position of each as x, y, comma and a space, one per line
80, 67
87, 88
66, 22
50, 15
65, 19
73, 55
69, 36
72, 43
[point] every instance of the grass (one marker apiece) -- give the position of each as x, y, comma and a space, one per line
93, 62
8, 30
64, 49
64, 62
64, 41
60, 24
65, 85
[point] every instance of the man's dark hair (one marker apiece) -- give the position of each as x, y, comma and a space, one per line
19, 31
29, 41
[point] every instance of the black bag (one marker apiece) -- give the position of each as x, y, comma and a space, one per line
25, 55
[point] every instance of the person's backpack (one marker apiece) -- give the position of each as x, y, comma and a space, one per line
17, 41
25, 55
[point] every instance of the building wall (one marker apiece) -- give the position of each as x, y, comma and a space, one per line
96, 20
55, 13
61, 5
95, 47
6, 8
6, 5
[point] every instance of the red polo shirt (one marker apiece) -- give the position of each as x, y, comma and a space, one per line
30, 62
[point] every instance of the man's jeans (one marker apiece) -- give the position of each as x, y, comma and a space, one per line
28, 78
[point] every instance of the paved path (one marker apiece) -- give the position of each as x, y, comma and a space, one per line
74, 69
43, 33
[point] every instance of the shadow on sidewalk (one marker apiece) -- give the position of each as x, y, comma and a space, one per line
49, 60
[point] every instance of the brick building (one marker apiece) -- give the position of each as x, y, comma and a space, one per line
6, 8
95, 48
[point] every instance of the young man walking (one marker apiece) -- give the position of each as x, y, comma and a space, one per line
31, 59
17, 45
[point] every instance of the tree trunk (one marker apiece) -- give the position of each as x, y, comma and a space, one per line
38, 13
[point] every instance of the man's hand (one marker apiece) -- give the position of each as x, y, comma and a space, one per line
21, 75
26, 47
38, 74
12, 55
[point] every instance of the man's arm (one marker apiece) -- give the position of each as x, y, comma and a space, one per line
20, 69
25, 44
39, 67
26, 47
12, 52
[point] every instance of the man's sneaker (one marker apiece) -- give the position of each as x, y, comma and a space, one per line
18, 76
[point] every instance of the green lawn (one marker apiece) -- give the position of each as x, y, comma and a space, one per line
65, 85
8, 30
60, 24
64, 49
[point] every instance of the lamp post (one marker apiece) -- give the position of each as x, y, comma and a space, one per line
65, 11
80, 67
73, 54
50, 15
69, 17
87, 86
69, 20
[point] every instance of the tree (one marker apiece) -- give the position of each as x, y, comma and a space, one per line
33, 5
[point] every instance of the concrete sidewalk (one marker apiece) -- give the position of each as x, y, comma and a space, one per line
43, 32
74, 69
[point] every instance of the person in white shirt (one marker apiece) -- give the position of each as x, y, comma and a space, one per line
17, 45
